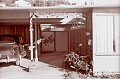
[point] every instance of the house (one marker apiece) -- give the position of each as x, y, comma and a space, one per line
88, 30
106, 46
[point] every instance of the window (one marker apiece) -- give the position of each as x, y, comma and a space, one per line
105, 33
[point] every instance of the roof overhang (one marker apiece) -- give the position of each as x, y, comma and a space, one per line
55, 9
21, 15
73, 8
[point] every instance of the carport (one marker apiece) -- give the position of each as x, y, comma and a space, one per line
70, 19
75, 21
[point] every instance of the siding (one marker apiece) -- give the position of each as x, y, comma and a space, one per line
16, 29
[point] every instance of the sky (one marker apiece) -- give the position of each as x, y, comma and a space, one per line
97, 2
74, 1
78, 2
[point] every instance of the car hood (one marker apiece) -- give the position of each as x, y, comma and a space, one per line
5, 49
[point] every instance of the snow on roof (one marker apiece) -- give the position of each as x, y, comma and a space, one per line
22, 3
2, 4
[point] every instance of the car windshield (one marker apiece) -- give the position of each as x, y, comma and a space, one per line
7, 40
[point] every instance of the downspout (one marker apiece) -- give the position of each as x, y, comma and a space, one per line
31, 38
36, 46
32, 65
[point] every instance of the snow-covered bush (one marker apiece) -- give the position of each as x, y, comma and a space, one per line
78, 62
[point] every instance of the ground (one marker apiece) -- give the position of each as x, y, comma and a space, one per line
43, 71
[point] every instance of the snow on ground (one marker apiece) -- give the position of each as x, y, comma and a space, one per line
42, 71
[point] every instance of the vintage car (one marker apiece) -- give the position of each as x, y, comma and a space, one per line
12, 48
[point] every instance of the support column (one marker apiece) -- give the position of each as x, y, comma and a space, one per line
31, 39
36, 46
33, 65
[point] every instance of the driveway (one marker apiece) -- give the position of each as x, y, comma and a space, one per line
41, 71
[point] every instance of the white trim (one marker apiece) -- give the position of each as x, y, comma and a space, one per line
106, 14
106, 54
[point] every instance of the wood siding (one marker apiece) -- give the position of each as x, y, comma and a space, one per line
16, 29
89, 29
60, 42
48, 46
79, 38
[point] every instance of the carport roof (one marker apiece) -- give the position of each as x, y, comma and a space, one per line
21, 15
15, 15
59, 9
55, 9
